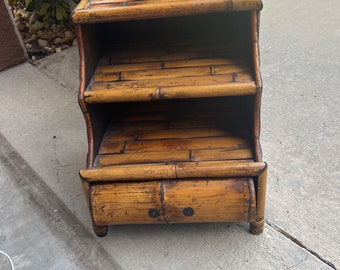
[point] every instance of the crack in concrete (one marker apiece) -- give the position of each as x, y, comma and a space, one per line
297, 264
42, 68
299, 243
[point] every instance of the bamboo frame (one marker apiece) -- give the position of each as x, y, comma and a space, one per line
258, 226
134, 153
181, 170
178, 92
94, 13
258, 82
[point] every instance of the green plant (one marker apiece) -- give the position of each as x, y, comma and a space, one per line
58, 9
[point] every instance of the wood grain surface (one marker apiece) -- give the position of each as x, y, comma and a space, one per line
171, 70
91, 11
219, 200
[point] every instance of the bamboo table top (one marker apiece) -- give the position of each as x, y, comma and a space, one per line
91, 11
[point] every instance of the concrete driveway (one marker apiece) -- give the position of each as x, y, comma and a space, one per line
44, 222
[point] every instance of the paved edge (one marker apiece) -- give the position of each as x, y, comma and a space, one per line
67, 228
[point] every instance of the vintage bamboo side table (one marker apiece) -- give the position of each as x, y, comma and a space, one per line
171, 93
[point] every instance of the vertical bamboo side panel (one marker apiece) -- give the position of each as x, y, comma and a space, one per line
257, 226
89, 46
88, 58
258, 82
261, 181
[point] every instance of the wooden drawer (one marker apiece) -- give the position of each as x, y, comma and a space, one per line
209, 201
222, 200
126, 203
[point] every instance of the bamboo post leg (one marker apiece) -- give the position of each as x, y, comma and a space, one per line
100, 231
257, 226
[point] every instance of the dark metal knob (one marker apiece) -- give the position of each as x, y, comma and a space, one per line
154, 213
188, 211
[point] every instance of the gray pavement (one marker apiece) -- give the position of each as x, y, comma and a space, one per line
44, 222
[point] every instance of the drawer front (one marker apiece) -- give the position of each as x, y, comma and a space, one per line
224, 200
228, 200
126, 203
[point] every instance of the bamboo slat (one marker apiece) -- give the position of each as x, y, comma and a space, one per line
203, 91
171, 82
103, 11
174, 156
141, 158
121, 135
179, 170
221, 154
183, 133
185, 144
210, 201
147, 94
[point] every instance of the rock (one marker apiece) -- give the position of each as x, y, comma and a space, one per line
58, 49
69, 35
52, 21
28, 46
31, 38
42, 43
54, 27
33, 18
75, 42
17, 18
60, 25
48, 49
57, 41
47, 26
26, 15
39, 34
38, 25
21, 26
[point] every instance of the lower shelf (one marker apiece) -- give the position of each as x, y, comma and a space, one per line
189, 201
187, 161
177, 131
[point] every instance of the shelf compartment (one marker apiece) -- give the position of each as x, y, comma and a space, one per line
151, 71
175, 161
168, 140
90, 11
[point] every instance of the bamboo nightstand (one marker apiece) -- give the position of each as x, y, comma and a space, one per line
171, 93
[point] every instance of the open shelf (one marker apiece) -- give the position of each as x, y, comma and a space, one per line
186, 136
172, 70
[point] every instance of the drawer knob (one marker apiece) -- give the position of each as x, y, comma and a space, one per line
154, 213
188, 211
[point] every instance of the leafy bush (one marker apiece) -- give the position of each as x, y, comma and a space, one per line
58, 9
